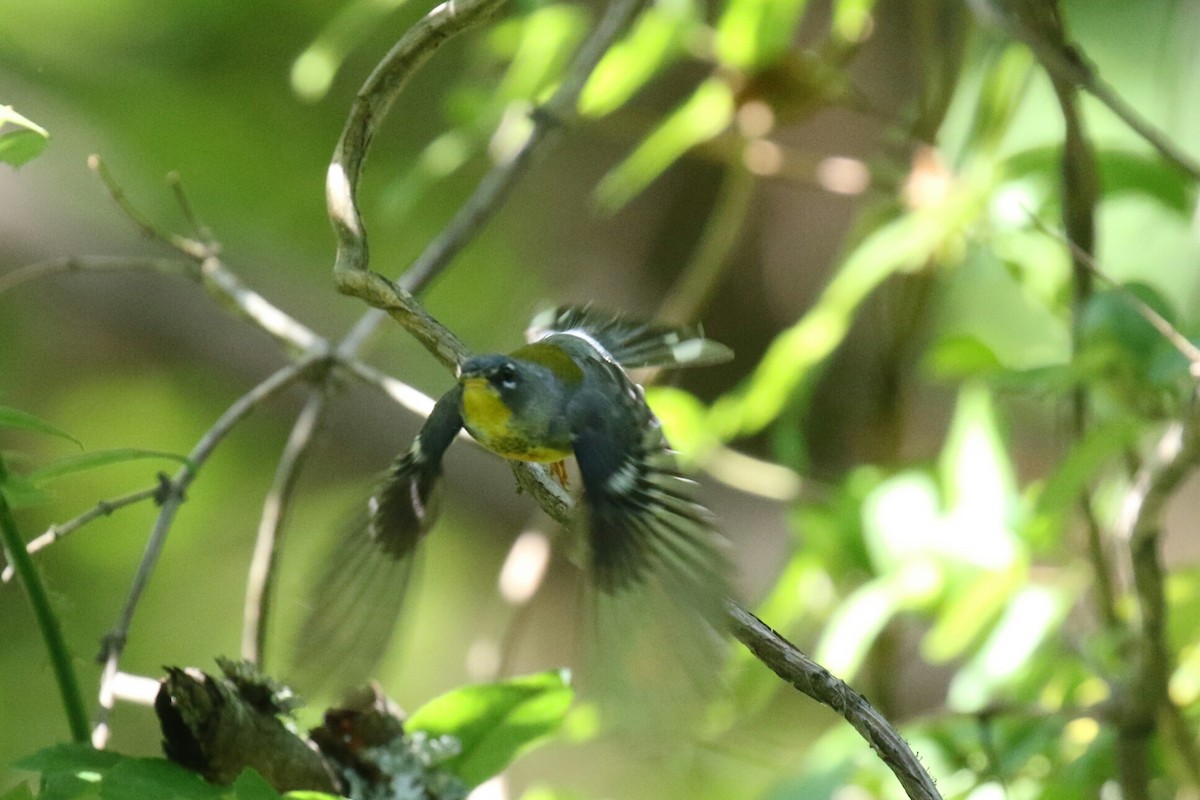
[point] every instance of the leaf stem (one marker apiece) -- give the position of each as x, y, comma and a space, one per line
60, 657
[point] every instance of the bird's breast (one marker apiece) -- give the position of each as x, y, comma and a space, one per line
491, 423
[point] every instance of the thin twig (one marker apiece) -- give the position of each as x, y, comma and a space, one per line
495, 186
268, 544
63, 529
171, 496
56, 266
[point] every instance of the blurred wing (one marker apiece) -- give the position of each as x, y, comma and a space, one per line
642, 523
632, 343
404, 505
356, 599
659, 566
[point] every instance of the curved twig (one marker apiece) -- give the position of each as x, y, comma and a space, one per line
788, 662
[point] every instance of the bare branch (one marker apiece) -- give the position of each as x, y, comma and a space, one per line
170, 496
789, 663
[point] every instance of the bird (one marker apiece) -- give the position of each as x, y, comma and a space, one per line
567, 393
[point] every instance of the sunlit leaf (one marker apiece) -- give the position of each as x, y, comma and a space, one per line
1000, 96
314, 69
1032, 614
753, 33
968, 613
905, 243
19, 420
548, 37
854, 627
852, 19
1062, 490
20, 146
99, 458
701, 117
683, 418
960, 356
656, 39
495, 722
979, 485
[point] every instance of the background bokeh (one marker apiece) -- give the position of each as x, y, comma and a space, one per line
236, 99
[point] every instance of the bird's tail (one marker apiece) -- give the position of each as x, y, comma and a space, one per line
632, 343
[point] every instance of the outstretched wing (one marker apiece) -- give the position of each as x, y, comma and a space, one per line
631, 343
403, 507
361, 585
642, 522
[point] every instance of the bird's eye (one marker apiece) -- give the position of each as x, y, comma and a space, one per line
506, 376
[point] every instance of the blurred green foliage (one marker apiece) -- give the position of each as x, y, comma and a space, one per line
967, 417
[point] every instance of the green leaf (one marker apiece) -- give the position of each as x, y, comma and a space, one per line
23, 421
19, 792
19, 146
851, 19
702, 116
20, 492
854, 628
99, 458
70, 758
967, 613
1121, 172
907, 242
751, 34
309, 794
1034, 612
249, 785
495, 722
143, 778
656, 40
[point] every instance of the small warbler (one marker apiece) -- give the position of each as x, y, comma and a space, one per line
565, 393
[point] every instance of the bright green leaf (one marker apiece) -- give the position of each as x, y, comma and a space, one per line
854, 628
683, 418
1121, 172
548, 37
656, 39
852, 19
19, 146
751, 34
967, 613
99, 458
907, 242
702, 116
1034, 612
495, 722
1062, 490
22, 421
308, 794
979, 484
